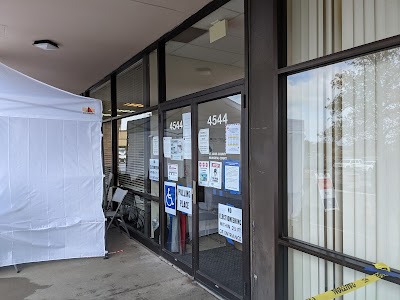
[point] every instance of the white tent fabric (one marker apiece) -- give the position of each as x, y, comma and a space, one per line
51, 176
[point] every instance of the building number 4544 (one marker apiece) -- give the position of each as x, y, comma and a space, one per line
212, 120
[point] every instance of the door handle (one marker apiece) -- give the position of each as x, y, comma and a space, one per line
194, 192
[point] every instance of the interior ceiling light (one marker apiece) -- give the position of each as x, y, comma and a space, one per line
45, 45
3, 31
204, 71
218, 30
133, 104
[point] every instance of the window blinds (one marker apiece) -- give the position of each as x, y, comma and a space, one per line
134, 177
103, 93
321, 27
130, 89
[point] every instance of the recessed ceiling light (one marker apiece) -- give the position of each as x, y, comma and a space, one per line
133, 104
204, 71
45, 45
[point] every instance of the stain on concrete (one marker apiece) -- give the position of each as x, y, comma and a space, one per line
18, 288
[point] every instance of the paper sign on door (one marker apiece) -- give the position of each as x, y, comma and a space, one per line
185, 199
173, 172
215, 174
204, 172
204, 141
170, 197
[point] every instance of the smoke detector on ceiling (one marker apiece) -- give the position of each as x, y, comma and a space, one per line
204, 71
45, 44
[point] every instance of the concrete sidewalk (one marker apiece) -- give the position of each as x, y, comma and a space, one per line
136, 273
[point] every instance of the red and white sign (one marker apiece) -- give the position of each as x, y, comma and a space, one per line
204, 172
215, 174
327, 192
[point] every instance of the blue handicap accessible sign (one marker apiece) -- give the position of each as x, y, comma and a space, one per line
170, 197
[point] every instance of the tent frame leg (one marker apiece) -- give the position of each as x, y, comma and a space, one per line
16, 268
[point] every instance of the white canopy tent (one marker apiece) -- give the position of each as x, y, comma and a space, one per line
51, 177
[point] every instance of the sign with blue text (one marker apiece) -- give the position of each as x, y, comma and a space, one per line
232, 176
170, 197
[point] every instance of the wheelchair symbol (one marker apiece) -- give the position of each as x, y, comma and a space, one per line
168, 199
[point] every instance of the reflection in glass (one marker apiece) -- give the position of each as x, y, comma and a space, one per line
138, 171
130, 89
195, 62
178, 172
103, 93
343, 156
220, 255
309, 276
153, 70
319, 28
107, 149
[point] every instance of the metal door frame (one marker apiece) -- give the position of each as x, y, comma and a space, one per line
193, 100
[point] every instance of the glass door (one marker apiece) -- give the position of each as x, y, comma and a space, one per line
220, 195
205, 207
177, 150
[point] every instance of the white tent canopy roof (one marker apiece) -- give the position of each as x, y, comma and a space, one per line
22, 96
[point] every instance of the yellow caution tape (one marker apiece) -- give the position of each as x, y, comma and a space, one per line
355, 285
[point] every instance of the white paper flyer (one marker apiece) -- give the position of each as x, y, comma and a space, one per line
173, 172
167, 147
177, 149
204, 141
215, 174
232, 176
185, 199
187, 148
232, 135
204, 171
187, 125
154, 170
155, 145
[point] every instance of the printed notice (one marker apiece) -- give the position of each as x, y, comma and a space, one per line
173, 172
204, 141
167, 147
155, 145
154, 170
187, 148
327, 191
215, 174
185, 199
232, 135
177, 149
170, 197
187, 125
230, 222
232, 175
204, 171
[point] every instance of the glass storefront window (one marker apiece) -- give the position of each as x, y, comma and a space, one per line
153, 69
130, 89
138, 153
343, 143
195, 61
138, 171
103, 93
309, 276
107, 149
142, 215
318, 28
